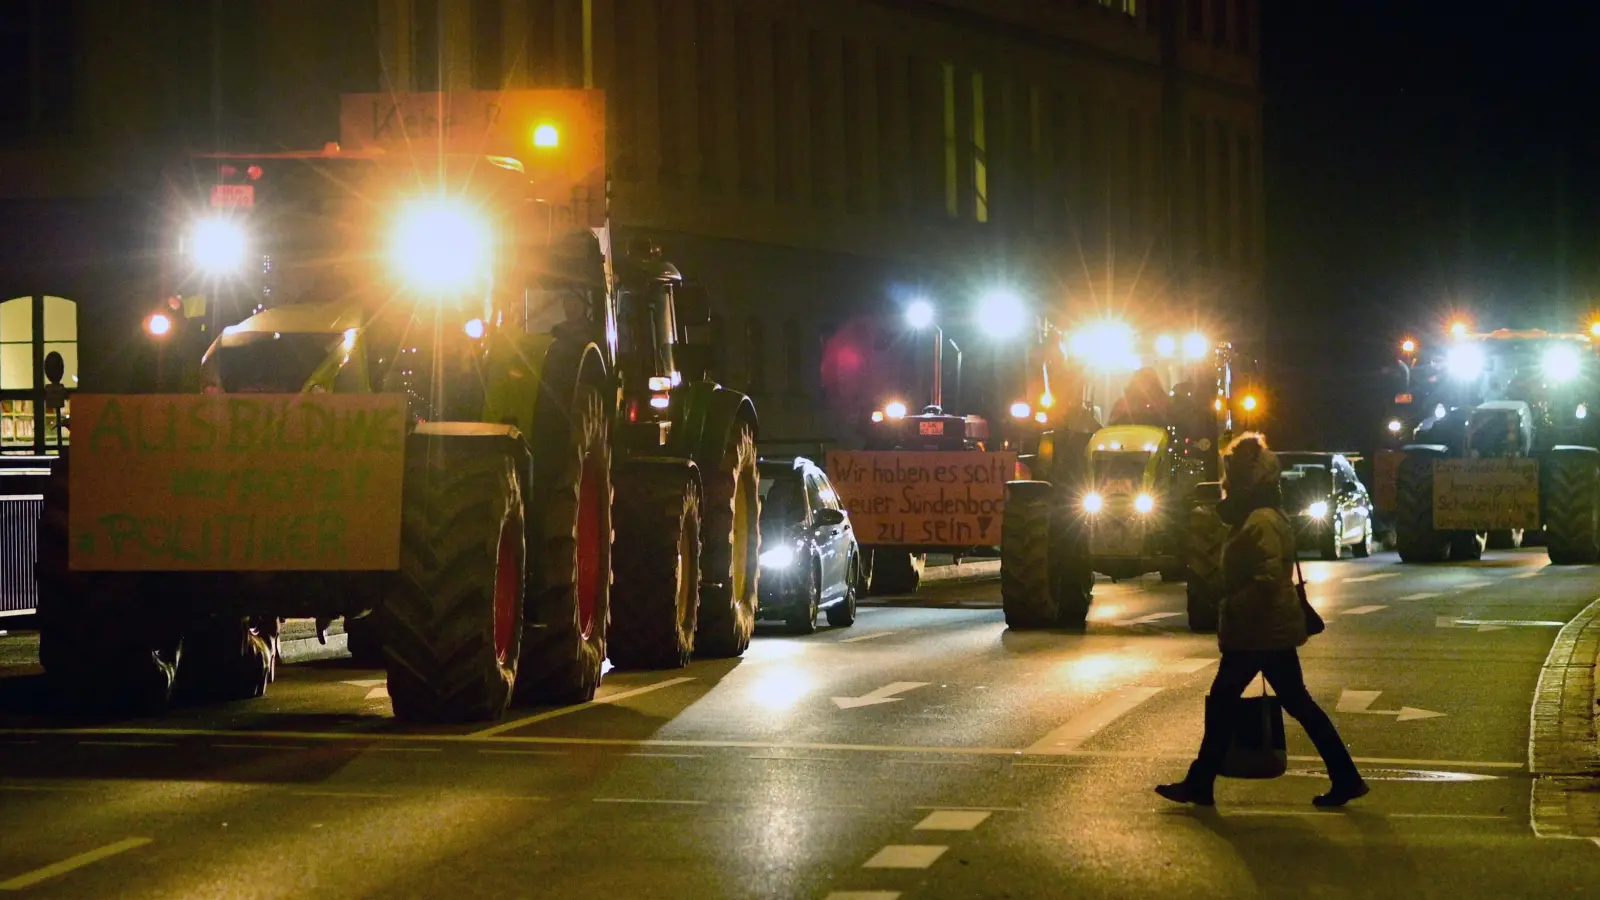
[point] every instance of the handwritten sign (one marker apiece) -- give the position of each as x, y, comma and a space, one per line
923, 498
1485, 494
1385, 478
220, 482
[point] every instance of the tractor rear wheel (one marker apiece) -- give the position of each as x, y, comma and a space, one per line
656, 596
104, 643
1025, 557
730, 555
895, 571
451, 621
565, 631
1571, 488
1415, 537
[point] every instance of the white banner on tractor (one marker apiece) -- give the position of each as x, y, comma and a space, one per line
923, 498
1485, 494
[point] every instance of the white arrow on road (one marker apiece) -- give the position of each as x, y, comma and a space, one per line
1358, 701
1490, 624
885, 694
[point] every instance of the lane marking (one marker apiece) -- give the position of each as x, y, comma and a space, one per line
525, 752
905, 856
1467, 816
1424, 595
651, 801
1361, 610
1083, 726
259, 747
1379, 576
1146, 620
866, 637
977, 808
126, 744
952, 820
29, 879
885, 694
406, 749
667, 755
359, 795
381, 692
567, 710
932, 762
863, 895
1190, 665
803, 758
1470, 585
1534, 574
366, 682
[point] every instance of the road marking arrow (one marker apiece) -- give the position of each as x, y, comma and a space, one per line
884, 694
1358, 701
366, 682
1491, 624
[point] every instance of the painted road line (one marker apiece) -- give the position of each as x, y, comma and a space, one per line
1470, 585
905, 856
565, 710
1146, 620
1190, 665
381, 692
976, 808
1087, 724
1361, 610
366, 682
1359, 701
29, 879
1483, 625
260, 747
952, 820
648, 800
524, 752
1378, 576
406, 749
866, 637
358, 795
1534, 574
126, 744
863, 895
668, 755
1424, 595
884, 694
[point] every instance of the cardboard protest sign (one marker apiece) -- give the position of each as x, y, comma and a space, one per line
1485, 494
216, 482
923, 498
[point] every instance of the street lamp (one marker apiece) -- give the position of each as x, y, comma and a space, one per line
921, 314
1002, 314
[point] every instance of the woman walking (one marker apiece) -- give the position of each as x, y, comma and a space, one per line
1260, 628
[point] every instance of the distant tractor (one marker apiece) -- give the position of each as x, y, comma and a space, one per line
433, 396
1506, 452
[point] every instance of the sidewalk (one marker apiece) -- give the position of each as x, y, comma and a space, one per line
941, 568
1563, 744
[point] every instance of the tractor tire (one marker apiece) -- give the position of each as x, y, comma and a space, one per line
1466, 546
1571, 488
896, 572
451, 621
1026, 592
105, 643
1504, 539
1071, 569
1414, 534
843, 613
227, 658
655, 601
730, 551
566, 627
361, 639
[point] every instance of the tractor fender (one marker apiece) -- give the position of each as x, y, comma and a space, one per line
703, 421
522, 371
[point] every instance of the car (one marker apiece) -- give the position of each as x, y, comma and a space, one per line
1327, 503
810, 558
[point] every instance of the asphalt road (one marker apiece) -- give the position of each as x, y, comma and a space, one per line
925, 753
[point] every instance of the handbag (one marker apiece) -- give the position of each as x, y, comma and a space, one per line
1314, 623
1258, 749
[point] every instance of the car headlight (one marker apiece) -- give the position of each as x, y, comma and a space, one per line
1144, 503
1464, 361
777, 558
1561, 362
217, 245
440, 245
1317, 510
1092, 502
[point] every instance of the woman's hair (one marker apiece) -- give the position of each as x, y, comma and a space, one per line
1248, 459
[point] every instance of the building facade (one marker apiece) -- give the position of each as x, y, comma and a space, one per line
810, 161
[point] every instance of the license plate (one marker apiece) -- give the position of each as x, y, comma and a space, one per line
228, 196
930, 427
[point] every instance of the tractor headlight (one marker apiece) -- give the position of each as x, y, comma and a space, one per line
440, 245
777, 558
1561, 362
1144, 504
1395, 426
1464, 361
1092, 502
217, 245
1318, 509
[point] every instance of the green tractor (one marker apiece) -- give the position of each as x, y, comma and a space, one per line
1131, 498
572, 489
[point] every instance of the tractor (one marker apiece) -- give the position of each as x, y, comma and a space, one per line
556, 485
1505, 451
1134, 496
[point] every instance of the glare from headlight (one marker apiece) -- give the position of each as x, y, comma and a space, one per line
1582, 412
895, 410
777, 558
1092, 502
1561, 362
1464, 361
1144, 503
1317, 510
1439, 411
1195, 345
1395, 426
218, 245
439, 245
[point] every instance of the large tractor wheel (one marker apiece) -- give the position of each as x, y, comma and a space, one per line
895, 571
1415, 537
565, 632
1026, 593
361, 639
104, 643
656, 597
1571, 488
1071, 569
451, 622
228, 658
730, 555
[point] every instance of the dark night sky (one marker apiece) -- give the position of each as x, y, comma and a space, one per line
1420, 156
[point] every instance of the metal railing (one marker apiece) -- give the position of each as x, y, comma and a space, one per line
20, 505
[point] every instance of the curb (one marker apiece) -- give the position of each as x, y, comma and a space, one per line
307, 649
1563, 746
972, 571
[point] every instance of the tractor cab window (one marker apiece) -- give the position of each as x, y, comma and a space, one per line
268, 362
